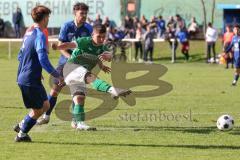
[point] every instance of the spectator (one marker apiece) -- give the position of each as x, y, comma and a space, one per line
17, 19
149, 44
227, 39
138, 45
144, 22
161, 27
180, 22
107, 22
172, 24
98, 20
129, 26
2, 26
211, 38
193, 28
170, 36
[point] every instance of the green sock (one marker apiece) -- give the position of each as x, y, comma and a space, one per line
100, 85
78, 112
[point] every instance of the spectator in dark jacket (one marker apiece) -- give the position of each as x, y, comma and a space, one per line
2, 26
17, 19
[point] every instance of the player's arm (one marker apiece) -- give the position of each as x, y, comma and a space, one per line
228, 49
104, 68
40, 47
64, 52
64, 46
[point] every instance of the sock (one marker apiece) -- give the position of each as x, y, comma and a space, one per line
52, 100
78, 113
28, 123
236, 76
100, 85
73, 119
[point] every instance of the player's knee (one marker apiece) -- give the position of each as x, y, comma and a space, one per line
79, 98
89, 78
54, 92
36, 113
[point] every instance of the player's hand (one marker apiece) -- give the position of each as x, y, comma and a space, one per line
61, 81
54, 46
105, 56
105, 69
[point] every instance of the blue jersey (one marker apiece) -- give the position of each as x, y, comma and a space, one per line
182, 36
161, 24
32, 58
70, 32
235, 44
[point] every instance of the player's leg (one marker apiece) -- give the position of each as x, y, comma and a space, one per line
136, 50
103, 86
214, 52
36, 99
208, 52
151, 54
237, 71
52, 98
79, 113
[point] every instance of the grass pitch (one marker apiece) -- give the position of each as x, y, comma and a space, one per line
201, 93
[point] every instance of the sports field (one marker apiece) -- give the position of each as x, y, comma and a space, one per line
185, 127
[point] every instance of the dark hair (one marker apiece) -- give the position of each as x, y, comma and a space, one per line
99, 28
39, 13
236, 26
80, 6
209, 24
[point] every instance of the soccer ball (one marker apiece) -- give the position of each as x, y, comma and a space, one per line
225, 123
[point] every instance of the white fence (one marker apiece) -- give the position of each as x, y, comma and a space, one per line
10, 40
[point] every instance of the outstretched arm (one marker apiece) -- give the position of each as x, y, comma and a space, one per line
64, 46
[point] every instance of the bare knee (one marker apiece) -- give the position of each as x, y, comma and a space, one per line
90, 78
36, 113
79, 99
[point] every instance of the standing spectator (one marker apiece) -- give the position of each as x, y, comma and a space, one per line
129, 27
211, 38
17, 19
180, 22
172, 24
135, 22
149, 44
227, 39
182, 36
2, 26
161, 27
170, 36
98, 20
144, 22
193, 28
138, 45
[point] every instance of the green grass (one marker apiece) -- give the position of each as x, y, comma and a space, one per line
202, 90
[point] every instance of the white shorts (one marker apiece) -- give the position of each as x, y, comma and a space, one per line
74, 77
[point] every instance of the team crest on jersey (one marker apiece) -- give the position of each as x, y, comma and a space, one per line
70, 36
84, 34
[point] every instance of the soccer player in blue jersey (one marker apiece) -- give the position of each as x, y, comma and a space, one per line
69, 32
182, 36
32, 58
235, 45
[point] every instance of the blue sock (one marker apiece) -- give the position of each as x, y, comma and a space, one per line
236, 77
52, 100
28, 123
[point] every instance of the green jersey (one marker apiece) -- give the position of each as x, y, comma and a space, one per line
86, 54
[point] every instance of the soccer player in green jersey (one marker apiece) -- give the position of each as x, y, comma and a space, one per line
89, 52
